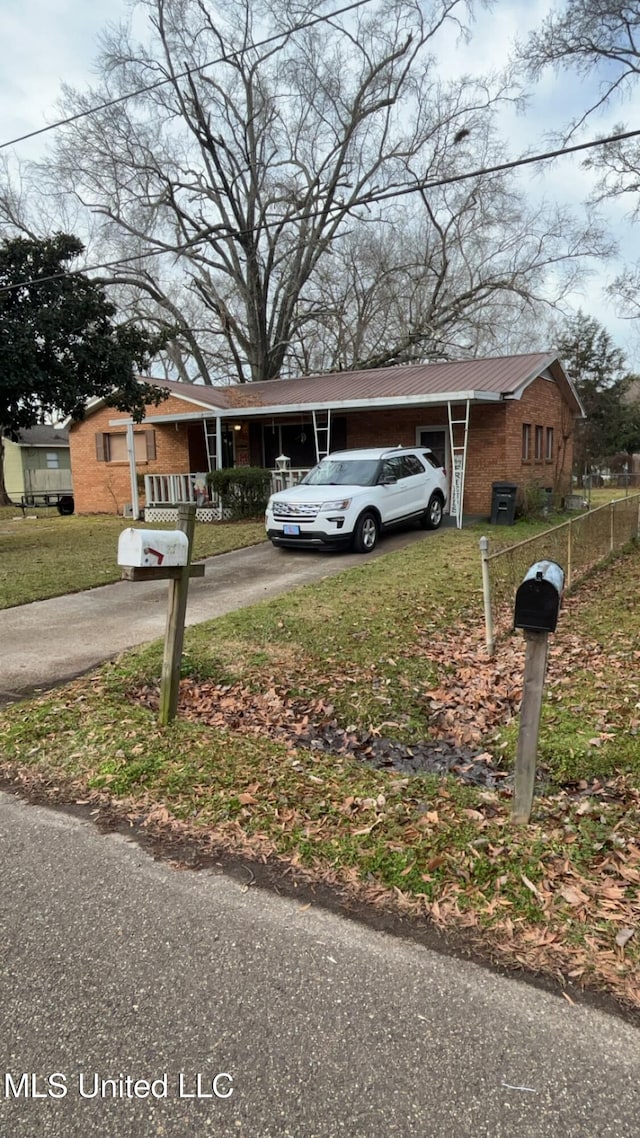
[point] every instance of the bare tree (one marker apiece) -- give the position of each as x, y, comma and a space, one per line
589, 36
249, 167
248, 189
465, 268
599, 38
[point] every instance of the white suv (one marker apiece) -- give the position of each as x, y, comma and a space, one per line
352, 495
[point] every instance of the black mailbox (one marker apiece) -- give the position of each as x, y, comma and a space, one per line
539, 597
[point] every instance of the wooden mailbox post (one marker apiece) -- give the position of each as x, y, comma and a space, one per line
171, 562
537, 606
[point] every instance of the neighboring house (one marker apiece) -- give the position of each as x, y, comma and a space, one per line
37, 462
508, 418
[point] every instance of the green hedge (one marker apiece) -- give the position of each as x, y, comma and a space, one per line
243, 490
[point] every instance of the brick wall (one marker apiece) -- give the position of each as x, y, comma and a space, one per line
485, 448
494, 449
105, 487
541, 405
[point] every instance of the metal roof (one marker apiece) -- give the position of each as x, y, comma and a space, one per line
495, 378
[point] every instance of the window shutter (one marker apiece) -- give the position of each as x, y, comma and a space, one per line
150, 437
102, 447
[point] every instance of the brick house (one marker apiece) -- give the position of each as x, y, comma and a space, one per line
502, 419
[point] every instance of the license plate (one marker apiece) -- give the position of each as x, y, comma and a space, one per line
291, 531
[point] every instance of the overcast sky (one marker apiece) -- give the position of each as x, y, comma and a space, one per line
46, 42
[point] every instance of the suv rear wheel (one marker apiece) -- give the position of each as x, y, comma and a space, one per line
366, 533
432, 516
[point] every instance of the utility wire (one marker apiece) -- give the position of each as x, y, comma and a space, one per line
400, 191
526, 160
187, 72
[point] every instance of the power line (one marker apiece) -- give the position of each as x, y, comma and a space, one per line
400, 191
526, 160
186, 73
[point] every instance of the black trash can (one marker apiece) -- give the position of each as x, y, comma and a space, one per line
503, 503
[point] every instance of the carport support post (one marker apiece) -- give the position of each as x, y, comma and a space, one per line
131, 454
535, 665
178, 591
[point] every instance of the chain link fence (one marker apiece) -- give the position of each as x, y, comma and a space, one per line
576, 545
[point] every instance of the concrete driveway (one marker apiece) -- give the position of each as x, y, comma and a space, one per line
49, 642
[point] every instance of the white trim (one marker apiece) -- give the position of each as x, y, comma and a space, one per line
546, 373
381, 402
219, 443
131, 454
39, 446
193, 417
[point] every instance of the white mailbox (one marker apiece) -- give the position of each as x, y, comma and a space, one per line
153, 547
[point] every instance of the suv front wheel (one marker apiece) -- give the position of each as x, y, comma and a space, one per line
432, 516
366, 533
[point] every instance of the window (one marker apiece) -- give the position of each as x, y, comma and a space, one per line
430, 458
526, 442
394, 468
412, 465
549, 450
113, 448
539, 443
53, 460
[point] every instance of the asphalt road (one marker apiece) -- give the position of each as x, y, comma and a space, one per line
115, 967
48, 642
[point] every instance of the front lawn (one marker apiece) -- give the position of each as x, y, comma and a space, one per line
50, 555
305, 719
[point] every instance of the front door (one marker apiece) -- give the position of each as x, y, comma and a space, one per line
435, 439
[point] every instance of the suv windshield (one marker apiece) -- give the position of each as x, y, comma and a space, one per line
343, 472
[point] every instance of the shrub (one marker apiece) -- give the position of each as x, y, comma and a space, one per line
243, 490
534, 501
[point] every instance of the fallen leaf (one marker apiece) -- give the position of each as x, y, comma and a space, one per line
529, 884
623, 936
405, 872
572, 895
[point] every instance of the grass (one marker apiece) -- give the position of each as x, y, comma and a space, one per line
51, 555
370, 647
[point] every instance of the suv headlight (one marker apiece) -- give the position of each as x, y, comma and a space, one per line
338, 504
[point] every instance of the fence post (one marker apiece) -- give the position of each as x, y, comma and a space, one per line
569, 553
174, 637
612, 526
486, 593
525, 771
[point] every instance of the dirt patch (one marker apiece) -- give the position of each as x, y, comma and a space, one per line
311, 725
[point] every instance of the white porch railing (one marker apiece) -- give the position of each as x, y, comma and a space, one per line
284, 480
172, 489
